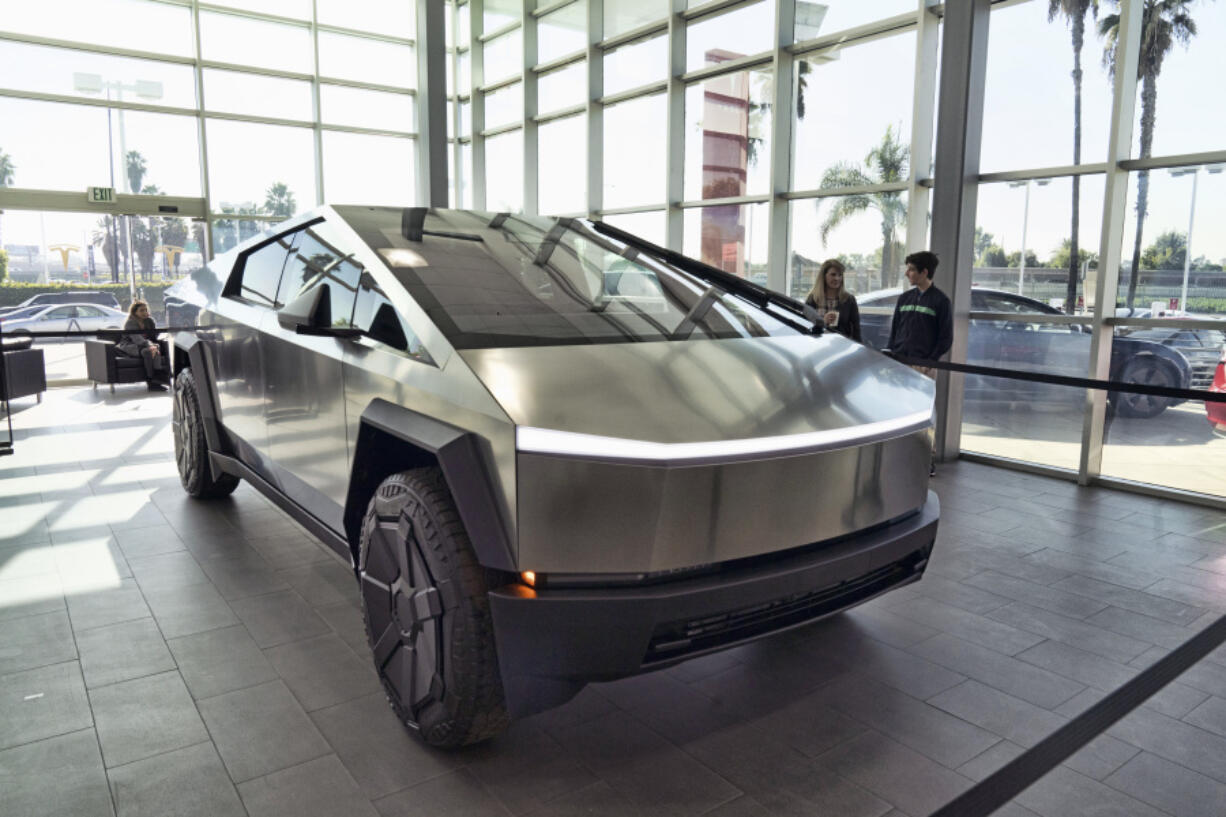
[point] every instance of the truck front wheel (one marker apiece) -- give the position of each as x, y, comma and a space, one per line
427, 613
191, 446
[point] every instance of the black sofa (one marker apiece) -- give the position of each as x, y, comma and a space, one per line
24, 370
104, 363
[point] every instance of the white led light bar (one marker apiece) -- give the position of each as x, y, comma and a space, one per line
594, 446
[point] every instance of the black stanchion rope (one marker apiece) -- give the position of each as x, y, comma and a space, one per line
964, 368
6, 444
1062, 380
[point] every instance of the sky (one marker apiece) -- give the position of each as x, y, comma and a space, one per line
1028, 121
851, 99
1028, 118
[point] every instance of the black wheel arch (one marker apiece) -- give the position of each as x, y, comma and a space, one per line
392, 439
188, 352
1130, 349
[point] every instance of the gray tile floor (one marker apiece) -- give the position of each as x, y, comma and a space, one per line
163, 656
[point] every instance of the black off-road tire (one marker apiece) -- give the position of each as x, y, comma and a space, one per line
1150, 371
427, 613
191, 446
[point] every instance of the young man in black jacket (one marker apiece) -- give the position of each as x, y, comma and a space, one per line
923, 326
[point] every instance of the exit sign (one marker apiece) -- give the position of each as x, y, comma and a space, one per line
100, 195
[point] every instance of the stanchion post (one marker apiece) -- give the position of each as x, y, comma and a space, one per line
6, 445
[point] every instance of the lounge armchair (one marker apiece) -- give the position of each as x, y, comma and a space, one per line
24, 372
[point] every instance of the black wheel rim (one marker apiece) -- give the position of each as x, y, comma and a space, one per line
1145, 373
181, 420
403, 611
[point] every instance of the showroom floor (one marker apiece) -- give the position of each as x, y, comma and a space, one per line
163, 656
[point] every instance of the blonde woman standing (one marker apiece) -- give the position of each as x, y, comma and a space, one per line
837, 306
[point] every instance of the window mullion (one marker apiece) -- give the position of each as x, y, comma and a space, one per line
1115, 200
675, 159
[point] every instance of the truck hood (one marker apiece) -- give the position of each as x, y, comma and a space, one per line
671, 400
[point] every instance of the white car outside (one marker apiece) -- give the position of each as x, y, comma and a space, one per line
64, 318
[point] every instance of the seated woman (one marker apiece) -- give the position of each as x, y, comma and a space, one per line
839, 310
140, 340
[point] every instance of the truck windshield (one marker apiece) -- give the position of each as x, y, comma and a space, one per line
498, 280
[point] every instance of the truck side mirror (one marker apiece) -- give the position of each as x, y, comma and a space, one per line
310, 310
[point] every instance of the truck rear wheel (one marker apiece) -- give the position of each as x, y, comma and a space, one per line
191, 446
427, 614
1149, 371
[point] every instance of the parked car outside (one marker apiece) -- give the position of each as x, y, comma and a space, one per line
1202, 347
1049, 348
44, 298
83, 317
11, 313
1217, 411
551, 455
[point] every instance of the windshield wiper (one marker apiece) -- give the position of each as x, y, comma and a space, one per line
759, 296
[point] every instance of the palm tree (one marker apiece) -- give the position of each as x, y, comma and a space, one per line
134, 164
1075, 12
105, 238
279, 200
135, 168
7, 169
887, 162
1163, 23
803, 69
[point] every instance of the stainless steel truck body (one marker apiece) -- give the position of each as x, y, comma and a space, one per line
551, 452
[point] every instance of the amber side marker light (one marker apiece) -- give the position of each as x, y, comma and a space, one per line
529, 577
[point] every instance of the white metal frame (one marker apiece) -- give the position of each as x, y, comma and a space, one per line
953, 121
198, 207
954, 118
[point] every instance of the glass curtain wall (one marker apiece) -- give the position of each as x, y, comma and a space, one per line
1040, 296
762, 136
665, 117
260, 109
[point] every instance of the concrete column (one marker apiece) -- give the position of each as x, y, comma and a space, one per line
532, 174
431, 50
476, 27
784, 108
675, 161
595, 110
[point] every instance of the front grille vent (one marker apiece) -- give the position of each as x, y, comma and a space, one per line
679, 638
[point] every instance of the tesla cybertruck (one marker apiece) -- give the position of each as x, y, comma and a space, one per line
553, 453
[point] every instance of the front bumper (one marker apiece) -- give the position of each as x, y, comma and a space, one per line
552, 641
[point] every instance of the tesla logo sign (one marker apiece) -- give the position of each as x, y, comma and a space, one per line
100, 195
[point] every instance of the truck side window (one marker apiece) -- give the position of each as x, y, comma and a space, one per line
261, 272
316, 261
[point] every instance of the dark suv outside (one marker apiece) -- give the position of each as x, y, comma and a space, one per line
552, 453
1050, 348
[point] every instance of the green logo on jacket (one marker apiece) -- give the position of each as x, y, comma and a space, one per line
926, 310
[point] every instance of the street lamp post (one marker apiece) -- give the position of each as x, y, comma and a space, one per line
145, 89
1194, 172
1021, 269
